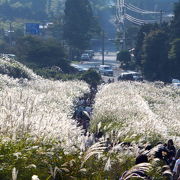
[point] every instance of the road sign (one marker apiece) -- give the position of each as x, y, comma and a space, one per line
32, 28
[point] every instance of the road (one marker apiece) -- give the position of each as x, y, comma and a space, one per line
109, 59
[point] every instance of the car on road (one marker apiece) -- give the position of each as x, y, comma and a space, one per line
176, 83
12, 56
90, 53
85, 57
80, 68
106, 70
130, 76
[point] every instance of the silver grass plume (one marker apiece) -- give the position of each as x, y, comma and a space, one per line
108, 165
14, 174
35, 177
97, 148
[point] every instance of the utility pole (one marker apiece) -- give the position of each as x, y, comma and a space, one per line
161, 16
122, 28
123, 24
10, 31
103, 47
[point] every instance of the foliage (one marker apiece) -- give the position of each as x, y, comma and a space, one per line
49, 161
155, 56
91, 77
31, 49
159, 63
124, 57
174, 56
40, 108
134, 111
78, 21
15, 69
56, 29
39, 137
18, 9
4, 47
143, 32
131, 35
175, 31
53, 74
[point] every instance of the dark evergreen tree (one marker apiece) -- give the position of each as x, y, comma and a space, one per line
78, 22
125, 58
174, 52
176, 21
155, 63
143, 32
91, 77
32, 49
174, 56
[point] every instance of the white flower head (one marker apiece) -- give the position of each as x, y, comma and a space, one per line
35, 177
14, 174
108, 165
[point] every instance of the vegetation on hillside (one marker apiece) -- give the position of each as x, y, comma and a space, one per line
135, 111
78, 24
156, 51
39, 138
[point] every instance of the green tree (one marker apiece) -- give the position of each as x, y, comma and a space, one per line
143, 32
155, 64
31, 49
125, 58
78, 22
91, 77
174, 52
176, 21
131, 35
174, 56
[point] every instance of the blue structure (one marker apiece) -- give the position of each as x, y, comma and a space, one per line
32, 28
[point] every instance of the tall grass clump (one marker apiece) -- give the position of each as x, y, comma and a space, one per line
15, 69
138, 111
39, 140
41, 108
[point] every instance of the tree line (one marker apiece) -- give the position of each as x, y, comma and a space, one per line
49, 57
30, 9
157, 50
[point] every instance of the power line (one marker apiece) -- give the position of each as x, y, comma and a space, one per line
122, 15
139, 10
139, 20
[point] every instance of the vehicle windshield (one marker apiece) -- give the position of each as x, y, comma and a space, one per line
107, 68
136, 74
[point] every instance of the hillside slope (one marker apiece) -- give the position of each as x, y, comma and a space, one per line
138, 111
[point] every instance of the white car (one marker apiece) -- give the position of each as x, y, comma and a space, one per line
89, 52
176, 83
106, 70
85, 57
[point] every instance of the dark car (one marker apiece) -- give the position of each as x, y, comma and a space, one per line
130, 76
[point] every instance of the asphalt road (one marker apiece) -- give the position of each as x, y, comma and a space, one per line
109, 59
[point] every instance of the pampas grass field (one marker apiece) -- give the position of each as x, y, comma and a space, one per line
39, 139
